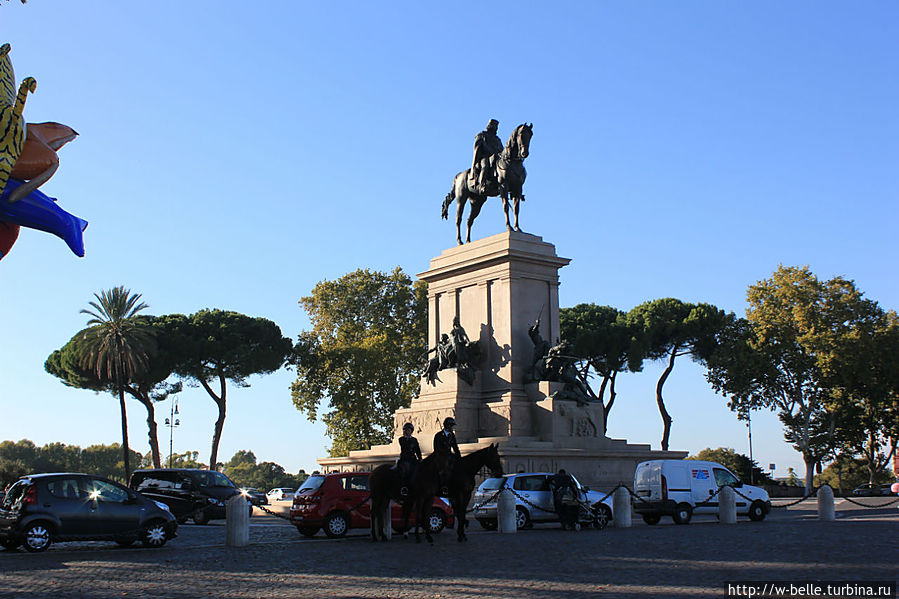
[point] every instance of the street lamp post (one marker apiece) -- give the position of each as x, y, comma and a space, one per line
172, 422
749, 426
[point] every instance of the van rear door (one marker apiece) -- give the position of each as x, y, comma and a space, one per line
648, 480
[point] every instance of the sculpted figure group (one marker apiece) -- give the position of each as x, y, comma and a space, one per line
452, 351
556, 363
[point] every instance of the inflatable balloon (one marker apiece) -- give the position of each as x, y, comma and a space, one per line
39, 211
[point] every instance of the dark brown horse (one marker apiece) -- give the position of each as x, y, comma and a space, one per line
384, 484
510, 175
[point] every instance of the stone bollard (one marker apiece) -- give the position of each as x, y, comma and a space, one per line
388, 521
237, 522
825, 504
621, 508
727, 505
506, 514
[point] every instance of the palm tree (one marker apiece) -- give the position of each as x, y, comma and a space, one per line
116, 345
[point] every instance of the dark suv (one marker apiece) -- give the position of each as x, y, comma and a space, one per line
42, 508
194, 494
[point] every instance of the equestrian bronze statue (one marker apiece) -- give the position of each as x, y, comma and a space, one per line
494, 172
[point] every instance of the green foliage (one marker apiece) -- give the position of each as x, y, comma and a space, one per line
670, 328
362, 355
245, 472
607, 343
115, 346
24, 457
217, 345
747, 470
808, 351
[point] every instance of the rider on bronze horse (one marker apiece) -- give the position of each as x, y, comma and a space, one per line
487, 146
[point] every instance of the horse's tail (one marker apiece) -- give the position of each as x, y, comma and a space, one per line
444, 210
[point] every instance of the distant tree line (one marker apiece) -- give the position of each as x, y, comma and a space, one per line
18, 458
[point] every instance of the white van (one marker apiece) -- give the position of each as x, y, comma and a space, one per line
678, 488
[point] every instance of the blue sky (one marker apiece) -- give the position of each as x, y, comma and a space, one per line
231, 155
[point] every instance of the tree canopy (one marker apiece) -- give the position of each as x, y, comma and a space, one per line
363, 355
221, 346
670, 328
807, 350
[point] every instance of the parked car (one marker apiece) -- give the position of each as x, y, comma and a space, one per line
41, 509
869, 490
254, 496
338, 502
534, 500
280, 494
678, 488
198, 495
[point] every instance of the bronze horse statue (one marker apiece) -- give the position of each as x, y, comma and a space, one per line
508, 182
385, 485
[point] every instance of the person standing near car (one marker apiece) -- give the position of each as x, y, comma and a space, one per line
447, 451
410, 457
562, 484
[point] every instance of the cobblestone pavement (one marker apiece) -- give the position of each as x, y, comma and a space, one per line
642, 561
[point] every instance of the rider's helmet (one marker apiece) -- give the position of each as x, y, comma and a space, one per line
408, 427
449, 422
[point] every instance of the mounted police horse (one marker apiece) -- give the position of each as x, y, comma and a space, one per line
384, 484
507, 183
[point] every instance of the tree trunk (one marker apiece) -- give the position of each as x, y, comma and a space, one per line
666, 418
126, 457
608, 407
220, 421
809, 473
151, 425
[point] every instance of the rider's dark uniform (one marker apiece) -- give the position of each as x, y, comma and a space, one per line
410, 458
560, 484
447, 450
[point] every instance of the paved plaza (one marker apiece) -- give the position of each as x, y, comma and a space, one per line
642, 561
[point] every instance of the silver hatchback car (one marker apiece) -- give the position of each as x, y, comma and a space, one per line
534, 500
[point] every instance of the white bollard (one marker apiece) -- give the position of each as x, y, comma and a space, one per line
388, 521
825, 504
727, 505
621, 508
506, 515
237, 522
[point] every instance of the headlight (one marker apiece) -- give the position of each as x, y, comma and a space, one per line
162, 506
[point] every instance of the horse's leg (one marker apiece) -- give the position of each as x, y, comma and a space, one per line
375, 524
506, 211
460, 208
516, 204
473, 212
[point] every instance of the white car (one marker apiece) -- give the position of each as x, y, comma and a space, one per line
280, 494
534, 500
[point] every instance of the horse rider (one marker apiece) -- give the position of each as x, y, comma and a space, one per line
410, 458
487, 145
447, 451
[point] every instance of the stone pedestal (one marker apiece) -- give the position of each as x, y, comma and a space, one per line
498, 287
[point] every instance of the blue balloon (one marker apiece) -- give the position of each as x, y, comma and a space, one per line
39, 211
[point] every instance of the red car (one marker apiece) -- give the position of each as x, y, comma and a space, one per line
339, 502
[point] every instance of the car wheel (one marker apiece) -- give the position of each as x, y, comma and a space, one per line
9, 543
436, 521
336, 524
602, 516
651, 519
201, 518
488, 524
308, 531
154, 535
522, 518
756, 511
683, 513
37, 537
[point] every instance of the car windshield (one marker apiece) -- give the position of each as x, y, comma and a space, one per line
491, 484
214, 479
312, 483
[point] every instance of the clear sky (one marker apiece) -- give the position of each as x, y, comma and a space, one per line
233, 154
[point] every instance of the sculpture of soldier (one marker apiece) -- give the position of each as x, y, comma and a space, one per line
487, 145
